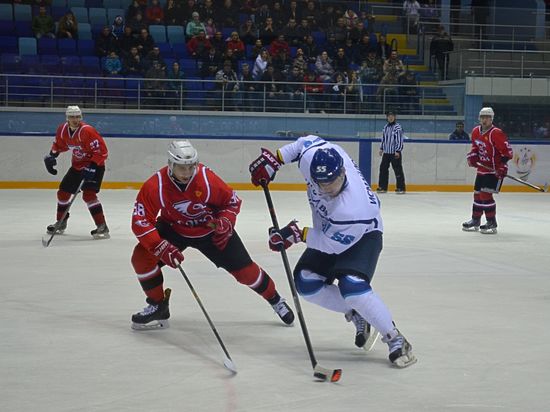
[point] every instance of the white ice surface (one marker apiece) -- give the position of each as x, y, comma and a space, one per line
475, 307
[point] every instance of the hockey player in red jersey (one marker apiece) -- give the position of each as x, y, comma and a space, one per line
489, 154
185, 204
89, 153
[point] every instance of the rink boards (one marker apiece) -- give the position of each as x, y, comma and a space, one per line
428, 164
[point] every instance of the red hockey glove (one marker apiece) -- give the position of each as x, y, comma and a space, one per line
284, 237
472, 159
263, 169
501, 171
168, 254
223, 230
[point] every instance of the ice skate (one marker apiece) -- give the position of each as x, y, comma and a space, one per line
284, 311
489, 228
401, 354
400, 192
471, 225
101, 232
365, 335
380, 190
58, 227
154, 316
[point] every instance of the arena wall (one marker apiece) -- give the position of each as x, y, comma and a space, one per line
430, 165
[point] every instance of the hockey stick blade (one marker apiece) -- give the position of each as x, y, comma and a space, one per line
323, 374
228, 363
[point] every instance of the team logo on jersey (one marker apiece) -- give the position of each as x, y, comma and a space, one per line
524, 160
189, 209
142, 223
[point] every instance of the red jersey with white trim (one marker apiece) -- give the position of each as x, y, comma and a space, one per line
491, 147
85, 142
188, 209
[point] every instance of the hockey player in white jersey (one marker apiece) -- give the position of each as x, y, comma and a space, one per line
344, 243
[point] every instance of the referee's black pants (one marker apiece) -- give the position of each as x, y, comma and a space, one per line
397, 166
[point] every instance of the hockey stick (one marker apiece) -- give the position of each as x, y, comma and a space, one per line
227, 361
543, 189
45, 242
318, 371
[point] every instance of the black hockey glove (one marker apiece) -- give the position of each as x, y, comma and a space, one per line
50, 161
89, 172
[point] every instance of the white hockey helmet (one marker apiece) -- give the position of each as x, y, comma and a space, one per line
181, 152
73, 111
487, 111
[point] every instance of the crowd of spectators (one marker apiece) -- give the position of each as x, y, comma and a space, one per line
273, 44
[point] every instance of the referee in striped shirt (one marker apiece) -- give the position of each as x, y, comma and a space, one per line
390, 150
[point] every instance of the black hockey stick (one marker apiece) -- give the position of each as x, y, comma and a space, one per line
45, 242
319, 372
227, 362
517, 179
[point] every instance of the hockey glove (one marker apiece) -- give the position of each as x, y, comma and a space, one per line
285, 237
472, 159
223, 230
263, 169
50, 160
168, 254
89, 172
501, 171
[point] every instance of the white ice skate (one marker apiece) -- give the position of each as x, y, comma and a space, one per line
365, 335
401, 355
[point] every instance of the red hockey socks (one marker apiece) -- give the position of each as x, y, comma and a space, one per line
94, 206
63, 199
490, 205
148, 273
259, 281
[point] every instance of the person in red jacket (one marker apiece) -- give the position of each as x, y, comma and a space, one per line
154, 14
199, 45
236, 44
489, 154
89, 153
185, 204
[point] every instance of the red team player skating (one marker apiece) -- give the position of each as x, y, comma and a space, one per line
185, 204
489, 154
89, 153
344, 242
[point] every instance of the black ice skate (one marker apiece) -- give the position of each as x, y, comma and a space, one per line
380, 190
365, 334
471, 225
101, 232
154, 316
284, 311
489, 228
401, 354
58, 227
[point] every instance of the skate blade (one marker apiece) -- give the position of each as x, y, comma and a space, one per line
153, 325
489, 232
470, 229
371, 340
102, 236
405, 361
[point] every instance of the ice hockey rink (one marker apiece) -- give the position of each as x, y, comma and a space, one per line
475, 307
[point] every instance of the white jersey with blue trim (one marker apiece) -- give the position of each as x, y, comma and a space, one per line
338, 222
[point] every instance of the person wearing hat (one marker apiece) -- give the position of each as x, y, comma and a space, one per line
391, 147
194, 26
459, 133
